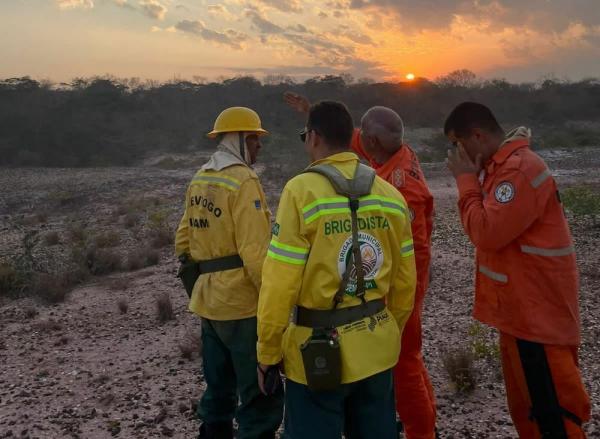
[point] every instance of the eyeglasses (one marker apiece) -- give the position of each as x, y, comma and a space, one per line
303, 133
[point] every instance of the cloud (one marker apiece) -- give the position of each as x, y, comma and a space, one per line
543, 15
262, 24
284, 5
355, 36
123, 4
298, 28
229, 37
75, 4
183, 8
153, 9
220, 10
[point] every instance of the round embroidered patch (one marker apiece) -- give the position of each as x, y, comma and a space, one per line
412, 214
504, 192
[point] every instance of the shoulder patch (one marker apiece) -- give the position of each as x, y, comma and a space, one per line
257, 204
505, 192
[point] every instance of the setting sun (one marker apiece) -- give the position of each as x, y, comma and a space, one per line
410, 76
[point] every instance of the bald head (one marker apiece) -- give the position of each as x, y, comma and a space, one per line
385, 125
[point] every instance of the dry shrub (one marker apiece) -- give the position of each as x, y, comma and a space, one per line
460, 367
77, 233
102, 261
48, 325
122, 305
52, 288
119, 284
161, 233
33, 219
131, 220
190, 344
141, 258
41, 218
162, 237
11, 283
62, 341
51, 238
164, 308
30, 312
107, 239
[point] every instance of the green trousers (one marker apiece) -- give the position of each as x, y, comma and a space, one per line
364, 409
229, 363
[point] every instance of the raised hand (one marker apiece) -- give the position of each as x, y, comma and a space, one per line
297, 102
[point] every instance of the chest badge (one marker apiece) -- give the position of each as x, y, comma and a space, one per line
504, 192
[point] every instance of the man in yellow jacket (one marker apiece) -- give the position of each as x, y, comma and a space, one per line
341, 257
223, 236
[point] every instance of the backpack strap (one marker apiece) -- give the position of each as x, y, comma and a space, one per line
354, 188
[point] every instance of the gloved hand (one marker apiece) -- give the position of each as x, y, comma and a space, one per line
269, 378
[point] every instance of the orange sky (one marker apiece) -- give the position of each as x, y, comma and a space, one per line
381, 39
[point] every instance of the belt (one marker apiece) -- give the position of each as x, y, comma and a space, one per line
331, 318
220, 264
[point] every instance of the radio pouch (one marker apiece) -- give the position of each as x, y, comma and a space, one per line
322, 360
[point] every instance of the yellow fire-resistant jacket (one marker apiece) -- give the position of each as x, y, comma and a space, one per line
311, 243
225, 214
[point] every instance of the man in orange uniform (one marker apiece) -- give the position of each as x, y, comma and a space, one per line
526, 282
380, 141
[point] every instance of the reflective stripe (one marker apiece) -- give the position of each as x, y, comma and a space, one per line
407, 248
324, 206
493, 275
548, 251
330, 206
537, 181
229, 183
287, 253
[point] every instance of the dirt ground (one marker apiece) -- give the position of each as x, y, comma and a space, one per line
84, 369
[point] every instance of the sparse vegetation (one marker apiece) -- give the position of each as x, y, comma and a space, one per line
77, 232
164, 308
11, 281
62, 198
131, 220
51, 238
460, 367
567, 137
102, 261
161, 233
48, 325
107, 239
141, 258
483, 345
190, 344
119, 284
52, 288
122, 305
581, 200
30, 312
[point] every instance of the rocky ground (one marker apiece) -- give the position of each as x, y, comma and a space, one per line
102, 364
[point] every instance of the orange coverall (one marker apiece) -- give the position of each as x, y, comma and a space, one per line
527, 287
415, 400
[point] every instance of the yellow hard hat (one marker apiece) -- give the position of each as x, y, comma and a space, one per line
235, 119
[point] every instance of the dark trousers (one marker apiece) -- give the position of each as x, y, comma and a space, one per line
229, 362
361, 410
